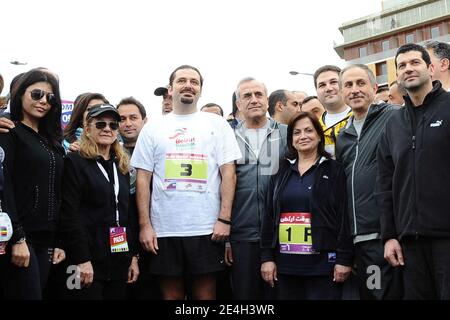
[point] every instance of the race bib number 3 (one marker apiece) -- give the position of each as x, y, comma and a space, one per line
186, 172
295, 233
118, 239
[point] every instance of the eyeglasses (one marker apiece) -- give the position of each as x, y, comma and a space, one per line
37, 94
102, 125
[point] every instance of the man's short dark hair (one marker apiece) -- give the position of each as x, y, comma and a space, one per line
185, 66
400, 88
209, 105
276, 96
161, 91
137, 103
234, 109
323, 69
382, 89
2, 83
413, 47
309, 98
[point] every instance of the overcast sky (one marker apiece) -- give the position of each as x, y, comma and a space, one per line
123, 48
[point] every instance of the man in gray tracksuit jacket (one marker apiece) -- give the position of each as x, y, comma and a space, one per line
356, 148
262, 142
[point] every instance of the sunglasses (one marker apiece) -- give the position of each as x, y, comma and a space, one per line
37, 94
102, 125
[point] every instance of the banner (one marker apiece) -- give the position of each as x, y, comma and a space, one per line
67, 108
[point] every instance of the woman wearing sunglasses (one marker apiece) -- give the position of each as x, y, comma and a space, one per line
32, 164
74, 129
95, 217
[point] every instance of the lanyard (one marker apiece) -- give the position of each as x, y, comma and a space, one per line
116, 187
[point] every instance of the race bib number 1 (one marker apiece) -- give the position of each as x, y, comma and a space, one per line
186, 172
295, 233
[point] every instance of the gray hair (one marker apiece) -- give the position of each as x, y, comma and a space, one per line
245, 80
372, 79
440, 49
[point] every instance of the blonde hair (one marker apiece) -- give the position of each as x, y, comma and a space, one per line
89, 150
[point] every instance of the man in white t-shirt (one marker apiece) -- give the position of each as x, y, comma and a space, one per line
190, 157
326, 81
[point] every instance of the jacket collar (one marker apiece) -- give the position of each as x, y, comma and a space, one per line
437, 90
372, 113
272, 125
293, 162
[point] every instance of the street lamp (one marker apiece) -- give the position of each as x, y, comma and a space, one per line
294, 73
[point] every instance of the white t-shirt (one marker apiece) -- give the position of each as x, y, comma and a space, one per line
256, 137
333, 118
184, 152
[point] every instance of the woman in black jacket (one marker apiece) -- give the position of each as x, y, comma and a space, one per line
305, 237
32, 166
94, 215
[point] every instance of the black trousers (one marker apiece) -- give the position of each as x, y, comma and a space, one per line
369, 257
426, 273
99, 290
293, 287
25, 283
247, 281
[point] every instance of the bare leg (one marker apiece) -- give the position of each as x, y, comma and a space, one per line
172, 288
204, 286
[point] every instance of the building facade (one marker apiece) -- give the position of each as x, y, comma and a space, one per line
373, 40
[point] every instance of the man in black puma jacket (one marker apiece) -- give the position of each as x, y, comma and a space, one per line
412, 190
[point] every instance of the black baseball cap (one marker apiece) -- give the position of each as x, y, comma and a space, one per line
161, 91
99, 109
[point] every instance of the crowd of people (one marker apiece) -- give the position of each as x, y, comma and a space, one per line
292, 197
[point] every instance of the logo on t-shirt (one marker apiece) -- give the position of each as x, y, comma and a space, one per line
182, 139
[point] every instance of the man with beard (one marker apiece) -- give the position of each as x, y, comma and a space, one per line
189, 158
412, 189
133, 117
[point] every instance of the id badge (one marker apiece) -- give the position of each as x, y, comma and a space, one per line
118, 239
3, 247
6, 231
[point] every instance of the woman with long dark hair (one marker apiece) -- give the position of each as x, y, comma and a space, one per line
32, 166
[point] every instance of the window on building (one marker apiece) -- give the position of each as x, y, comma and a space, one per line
362, 52
381, 68
410, 38
381, 72
435, 32
385, 45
